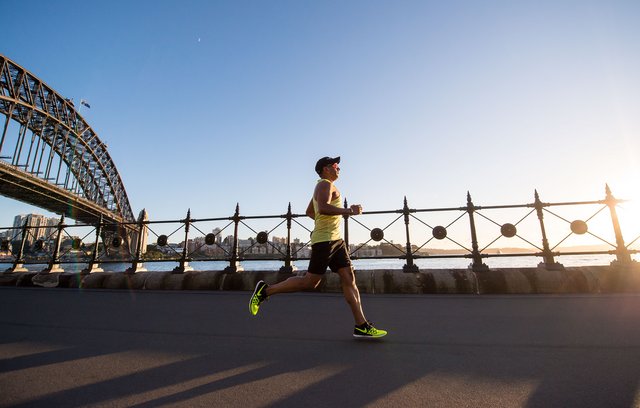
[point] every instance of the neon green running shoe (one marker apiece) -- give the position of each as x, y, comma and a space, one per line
259, 296
366, 330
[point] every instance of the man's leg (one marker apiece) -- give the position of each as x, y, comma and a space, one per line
351, 293
295, 284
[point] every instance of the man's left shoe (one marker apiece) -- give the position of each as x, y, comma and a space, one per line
259, 296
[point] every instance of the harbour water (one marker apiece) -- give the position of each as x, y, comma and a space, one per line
359, 264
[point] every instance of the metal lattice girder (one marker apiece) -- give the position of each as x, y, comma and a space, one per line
54, 121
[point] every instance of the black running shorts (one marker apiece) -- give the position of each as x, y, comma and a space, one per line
332, 254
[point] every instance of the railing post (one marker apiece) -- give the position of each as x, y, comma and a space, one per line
547, 256
622, 254
137, 265
18, 264
409, 267
184, 261
234, 263
54, 264
93, 264
288, 267
477, 265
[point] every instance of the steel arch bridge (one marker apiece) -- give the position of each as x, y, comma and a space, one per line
50, 157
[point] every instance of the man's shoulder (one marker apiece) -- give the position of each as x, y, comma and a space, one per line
324, 183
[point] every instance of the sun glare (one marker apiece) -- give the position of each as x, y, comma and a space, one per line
629, 211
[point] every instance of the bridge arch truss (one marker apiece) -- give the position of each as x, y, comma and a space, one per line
45, 141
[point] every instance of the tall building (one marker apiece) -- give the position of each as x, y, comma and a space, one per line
41, 227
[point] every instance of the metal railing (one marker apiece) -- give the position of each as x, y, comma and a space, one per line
61, 246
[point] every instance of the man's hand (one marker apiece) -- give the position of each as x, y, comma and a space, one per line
356, 209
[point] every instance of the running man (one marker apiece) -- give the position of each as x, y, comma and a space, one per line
327, 250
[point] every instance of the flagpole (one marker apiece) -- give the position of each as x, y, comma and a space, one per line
83, 102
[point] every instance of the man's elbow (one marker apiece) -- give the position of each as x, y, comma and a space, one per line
327, 211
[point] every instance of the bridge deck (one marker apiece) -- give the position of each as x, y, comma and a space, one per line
115, 348
27, 188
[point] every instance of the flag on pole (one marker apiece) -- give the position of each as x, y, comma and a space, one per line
85, 103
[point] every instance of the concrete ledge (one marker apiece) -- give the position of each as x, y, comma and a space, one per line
155, 281
116, 281
175, 281
448, 281
25, 278
138, 280
209, 280
70, 280
589, 279
94, 280
619, 280
9, 279
46, 279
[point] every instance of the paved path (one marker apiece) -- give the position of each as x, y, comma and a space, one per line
70, 348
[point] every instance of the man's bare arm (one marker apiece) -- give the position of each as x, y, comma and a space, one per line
311, 213
323, 197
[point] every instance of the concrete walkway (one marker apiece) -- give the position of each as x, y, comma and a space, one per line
74, 348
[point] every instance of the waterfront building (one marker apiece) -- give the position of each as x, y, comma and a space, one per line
216, 232
41, 227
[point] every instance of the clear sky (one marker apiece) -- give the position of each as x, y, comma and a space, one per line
205, 104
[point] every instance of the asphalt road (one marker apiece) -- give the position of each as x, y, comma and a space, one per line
72, 348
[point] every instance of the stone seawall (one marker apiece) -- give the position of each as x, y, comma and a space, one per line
591, 279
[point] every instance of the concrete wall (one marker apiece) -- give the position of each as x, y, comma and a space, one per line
593, 279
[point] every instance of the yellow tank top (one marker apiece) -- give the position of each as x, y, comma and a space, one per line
327, 227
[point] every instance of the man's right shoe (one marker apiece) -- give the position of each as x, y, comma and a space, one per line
367, 330
259, 296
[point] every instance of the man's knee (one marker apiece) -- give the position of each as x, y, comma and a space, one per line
347, 276
312, 280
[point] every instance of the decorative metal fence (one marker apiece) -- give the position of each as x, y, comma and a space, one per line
187, 241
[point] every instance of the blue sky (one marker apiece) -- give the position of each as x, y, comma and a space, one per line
207, 104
